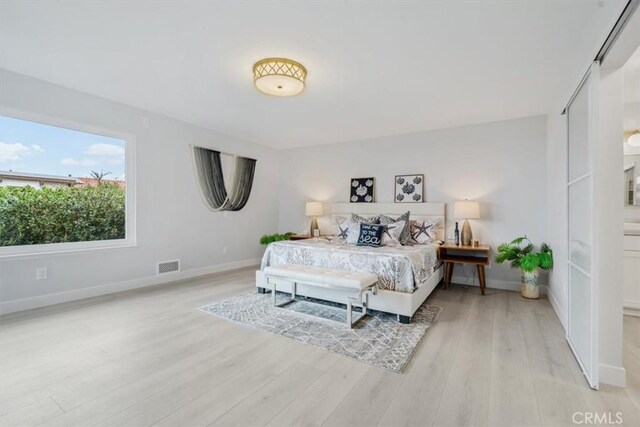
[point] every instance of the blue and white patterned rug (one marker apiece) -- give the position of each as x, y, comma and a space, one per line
378, 339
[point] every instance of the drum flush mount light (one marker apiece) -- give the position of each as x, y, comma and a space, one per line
634, 138
279, 76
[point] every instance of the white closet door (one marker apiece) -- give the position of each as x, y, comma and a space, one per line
582, 331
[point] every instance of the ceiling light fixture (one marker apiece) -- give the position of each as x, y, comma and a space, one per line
279, 76
634, 139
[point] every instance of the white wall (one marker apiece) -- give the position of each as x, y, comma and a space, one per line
501, 164
172, 220
22, 183
13, 182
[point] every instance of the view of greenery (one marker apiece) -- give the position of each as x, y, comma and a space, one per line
30, 216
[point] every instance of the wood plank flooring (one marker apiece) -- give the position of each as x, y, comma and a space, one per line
150, 357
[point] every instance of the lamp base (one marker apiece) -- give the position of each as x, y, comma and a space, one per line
314, 226
466, 235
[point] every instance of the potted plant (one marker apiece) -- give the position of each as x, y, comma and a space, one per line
270, 238
523, 255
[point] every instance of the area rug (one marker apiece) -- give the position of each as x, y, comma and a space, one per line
378, 339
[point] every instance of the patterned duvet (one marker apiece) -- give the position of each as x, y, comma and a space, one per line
400, 269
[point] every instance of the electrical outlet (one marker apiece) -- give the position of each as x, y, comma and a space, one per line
225, 250
41, 273
145, 122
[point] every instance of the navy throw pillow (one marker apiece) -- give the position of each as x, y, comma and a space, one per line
370, 235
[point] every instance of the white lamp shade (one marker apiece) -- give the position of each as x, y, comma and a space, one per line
314, 209
466, 210
634, 140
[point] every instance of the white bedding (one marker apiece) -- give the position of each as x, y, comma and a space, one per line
400, 269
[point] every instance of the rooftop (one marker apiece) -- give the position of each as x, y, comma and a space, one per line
39, 177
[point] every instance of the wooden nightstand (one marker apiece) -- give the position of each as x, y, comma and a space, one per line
299, 237
480, 256
302, 236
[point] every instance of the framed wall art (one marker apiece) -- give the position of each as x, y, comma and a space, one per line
362, 190
409, 189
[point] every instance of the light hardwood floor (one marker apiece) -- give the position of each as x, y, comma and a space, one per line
150, 357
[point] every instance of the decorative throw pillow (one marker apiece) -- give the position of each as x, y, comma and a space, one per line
364, 220
392, 232
425, 232
370, 235
354, 232
343, 226
405, 236
337, 226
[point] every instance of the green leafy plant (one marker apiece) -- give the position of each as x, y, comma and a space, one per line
270, 238
522, 254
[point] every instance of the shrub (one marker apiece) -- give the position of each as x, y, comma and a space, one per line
30, 216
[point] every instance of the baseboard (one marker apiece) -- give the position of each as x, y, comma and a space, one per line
111, 288
631, 312
506, 285
631, 307
612, 375
562, 315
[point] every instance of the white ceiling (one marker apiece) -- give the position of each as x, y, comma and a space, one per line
374, 69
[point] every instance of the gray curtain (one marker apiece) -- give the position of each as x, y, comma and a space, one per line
211, 180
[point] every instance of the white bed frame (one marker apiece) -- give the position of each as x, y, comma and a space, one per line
402, 304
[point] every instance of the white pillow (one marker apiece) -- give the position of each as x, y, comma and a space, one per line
362, 219
424, 232
391, 234
337, 222
405, 236
347, 230
354, 233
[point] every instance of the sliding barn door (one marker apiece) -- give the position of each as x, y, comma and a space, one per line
582, 122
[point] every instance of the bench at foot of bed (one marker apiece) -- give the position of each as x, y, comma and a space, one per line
356, 285
402, 319
400, 304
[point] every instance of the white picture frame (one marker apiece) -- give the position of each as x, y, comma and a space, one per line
409, 188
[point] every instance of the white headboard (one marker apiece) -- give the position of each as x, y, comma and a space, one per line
418, 211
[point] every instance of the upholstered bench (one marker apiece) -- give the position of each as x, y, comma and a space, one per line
357, 283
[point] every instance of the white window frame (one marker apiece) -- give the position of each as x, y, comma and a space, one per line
130, 191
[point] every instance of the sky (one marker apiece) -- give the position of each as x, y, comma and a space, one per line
33, 147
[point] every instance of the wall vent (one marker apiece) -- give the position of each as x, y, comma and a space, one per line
168, 266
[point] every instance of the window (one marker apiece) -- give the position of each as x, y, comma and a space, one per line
63, 187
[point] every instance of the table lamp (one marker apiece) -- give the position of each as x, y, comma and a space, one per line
314, 209
466, 210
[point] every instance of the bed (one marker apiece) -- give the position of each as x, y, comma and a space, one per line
406, 275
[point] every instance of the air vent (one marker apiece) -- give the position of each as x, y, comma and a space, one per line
168, 266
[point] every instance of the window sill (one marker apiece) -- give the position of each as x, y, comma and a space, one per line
28, 251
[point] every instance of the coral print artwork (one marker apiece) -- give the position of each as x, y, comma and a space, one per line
362, 190
409, 189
